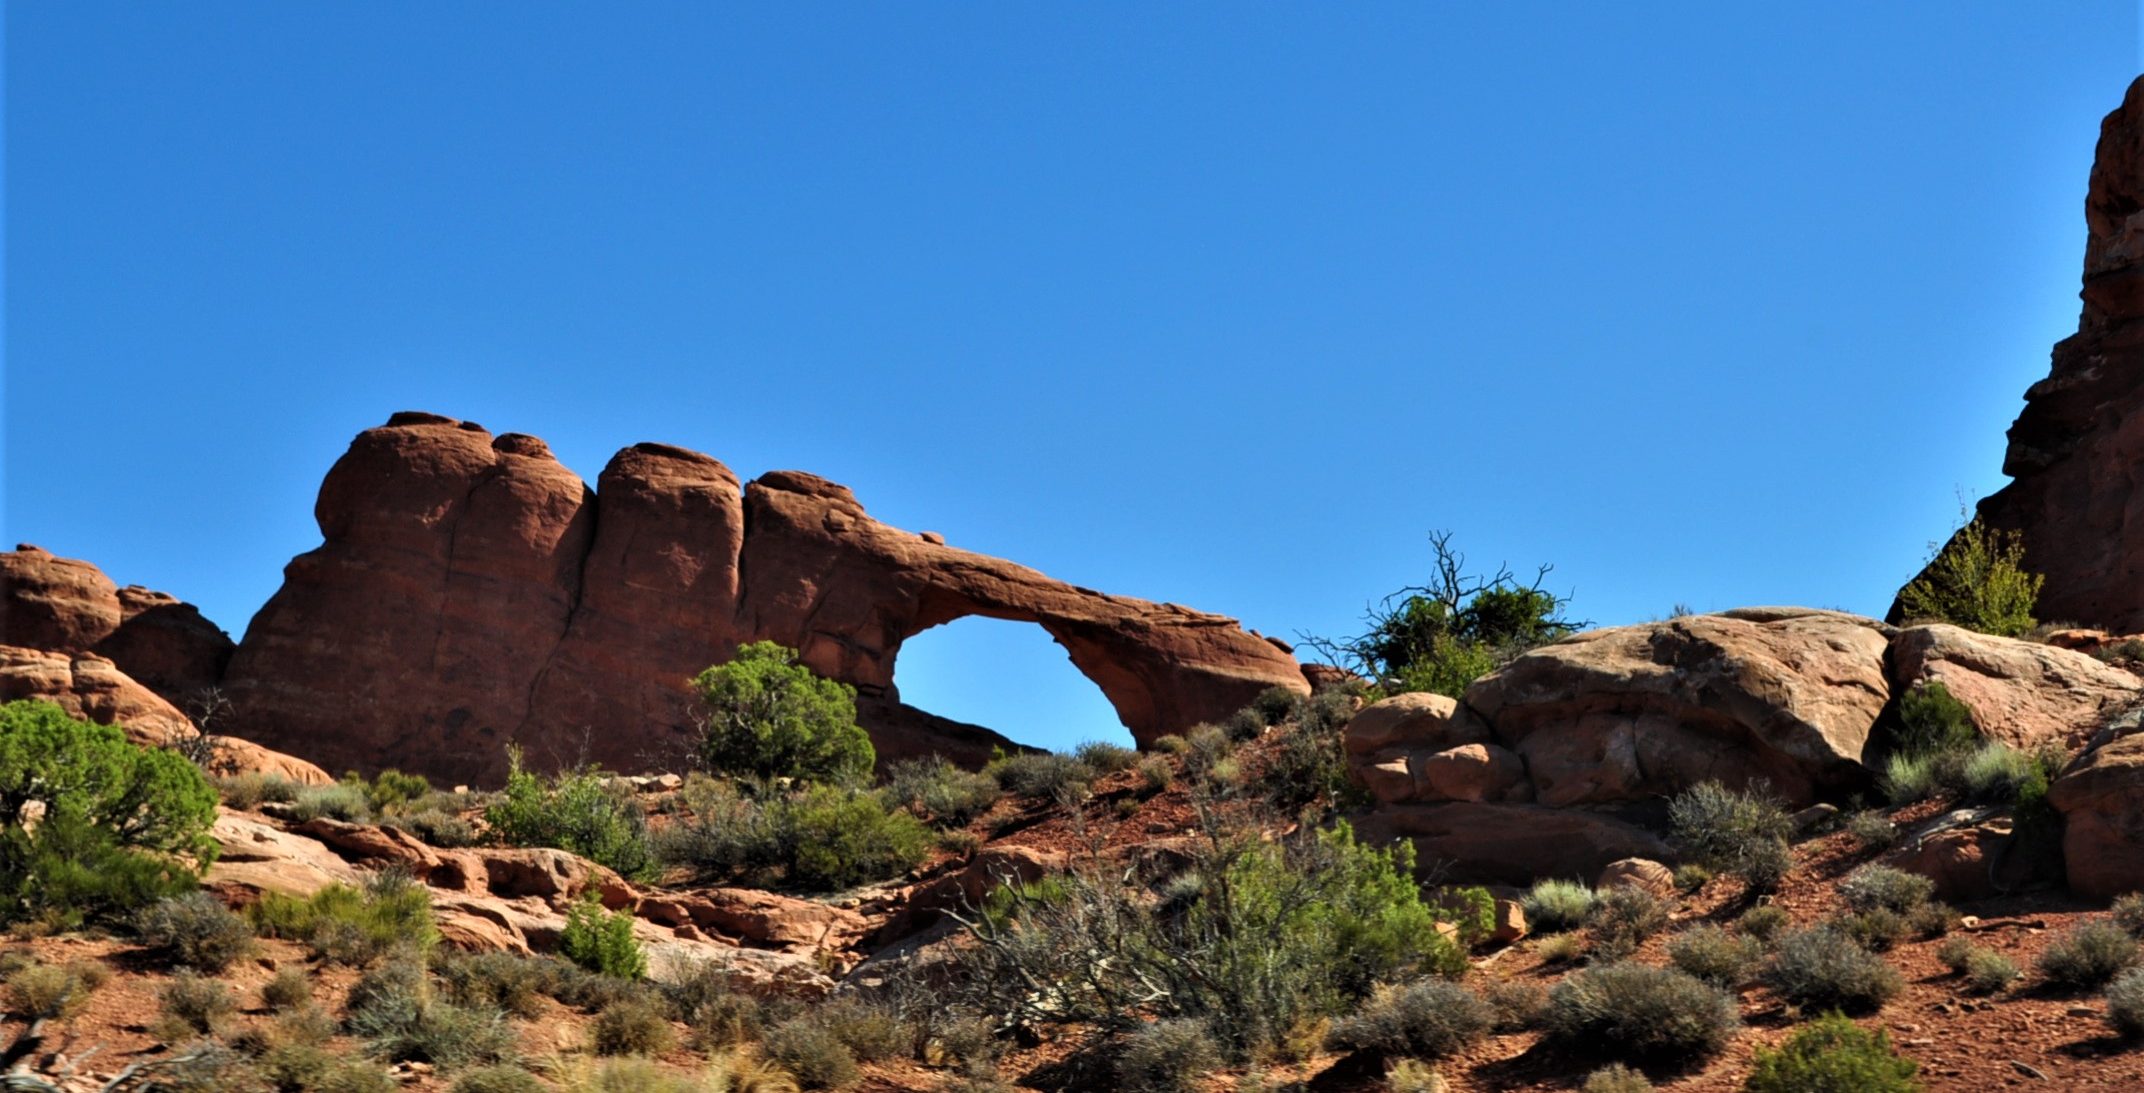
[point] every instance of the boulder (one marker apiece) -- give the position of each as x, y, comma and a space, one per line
1416, 721
760, 918
65, 605
2101, 799
2075, 447
92, 688
472, 593
259, 857
1509, 844
2022, 693
1470, 772
1969, 854
1510, 921
1643, 874
1637, 712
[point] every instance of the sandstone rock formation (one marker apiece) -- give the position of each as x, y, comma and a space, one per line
473, 593
1510, 844
64, 605
2022, 693
2075, 448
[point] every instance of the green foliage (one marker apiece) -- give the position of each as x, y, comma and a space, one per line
340, 801
1277, 705
505, 1078
1978, 581
1932, 721
829, 837
504, 981
770, 717
1873, 886
632, 1026
1443, 635
435, 826
52, 991
394, 1009
352, 925
1716, 955
389, 790
1155, 774
1985, 970
121, 826
1044, 774
1740, 832
1871, 830
2088, 956
288, 989
1763, 922
1471, 909
602, 941
1308, 765
1876, 929
812, 1053
1425, 1019
1825, 968
1931, 920
2000, 774
1832, 1055
196, 930
2127, 912
2125, 1004
1103, 757
583, 811
1553, 905
939, 791
1643, 1012
252, 789
1167, 1057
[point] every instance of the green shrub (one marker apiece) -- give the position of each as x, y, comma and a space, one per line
1872, 831
196, 930
248, 791
1977, 581
339, 801
498, 1079
1155, 774
584, 811
937, 790
390, 789
1471, 909
1645, 1012
1933, 722
1167, 1057
1553, 906
1716, 955
2125, 1004
1210, 746
1560, 948
1999, 774
1987, 971
1876, 929
830, 837
53, 991
770, 717
1823, 968
2128, 913
1763, 922
1740, 832
632, 1026
1043, 774
1244, 725
1908, 778
1308, 764
1831, 1054
504, 981
1874, 886
812, 1053
1515, 1004
394, 1010
119, 822
2088, 956
602, 941
352, 925
193, 1004
1691, 877
289, 989
1172, 744
1425, 1019
1278, 705
1623, 919
436, 827
1616, 1078
1414, 1076
1931, 920
870, 1030
1103, 757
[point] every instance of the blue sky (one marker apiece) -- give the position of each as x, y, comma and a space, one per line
1221, 304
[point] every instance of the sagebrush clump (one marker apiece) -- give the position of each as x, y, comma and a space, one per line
1641, 1012
1743, 832
1425, 1019
2088, 956
1824, 968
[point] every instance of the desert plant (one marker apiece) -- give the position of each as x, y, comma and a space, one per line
1625, 916
870, 1030
252, 789
1553, 905
2128, 913
352, 925
1716, 955
1470, 909
1560, 948
1824, 968
338, 801
1741, 832
1931, 920
1931, 721
584, 811
1045, 774
1987, 971
288, 989
1763, 922
1616, 1078
1691, 877
1155, 774
1103, 757
602, 941
394, 1010
939, 791
771, 717
1876, 929
1997, 773
1414, 1076
1167, 1057
195, 930
1873, 886
118, 826
38, 991
1645, 1012
632, 1026
435, 826
2125, 1004
1978, 581
1910, 777
1425, 1019
1872, 831
2088, 956
1830, 1054
499, 1078
193, 1005
504, 981
812, 1053
830, 837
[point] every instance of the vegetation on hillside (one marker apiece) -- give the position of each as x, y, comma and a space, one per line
1977, 580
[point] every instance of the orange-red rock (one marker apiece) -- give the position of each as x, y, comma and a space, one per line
2023, 693
66, 605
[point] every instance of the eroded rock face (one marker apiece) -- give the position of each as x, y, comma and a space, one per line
2075, 448
2101, 799
1510, 844
2022, 693
66, 605
472, 593
1635, 712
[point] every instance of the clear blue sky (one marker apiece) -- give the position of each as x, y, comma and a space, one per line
1224, 304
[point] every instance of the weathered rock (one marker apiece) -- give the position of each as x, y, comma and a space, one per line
258, 857
2075, 448
1969, 856
762, 918
2101, 799
1509, 844
1416, 721
65, 605
1510, 921
553, 875
1636, 712
965, 888
471, 593
1644, 874
1470, 772
2022, 693
374, 844
92, 688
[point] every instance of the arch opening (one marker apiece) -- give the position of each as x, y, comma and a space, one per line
1011, 677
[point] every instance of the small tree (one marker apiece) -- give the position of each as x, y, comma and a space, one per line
769, 717
1443, 635
1978, 581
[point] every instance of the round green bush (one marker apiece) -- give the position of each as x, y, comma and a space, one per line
1825, 968
1832, 1055
771, 717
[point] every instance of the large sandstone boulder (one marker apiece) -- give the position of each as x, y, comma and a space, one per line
2101, 799
1509, 844
1637, 712
2022, 693
1426, 747
472, 593
91, 688
65, 605
2075, 447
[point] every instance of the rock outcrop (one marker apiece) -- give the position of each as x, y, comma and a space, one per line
65, 605
2075, 448
2022, 693
472, 593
